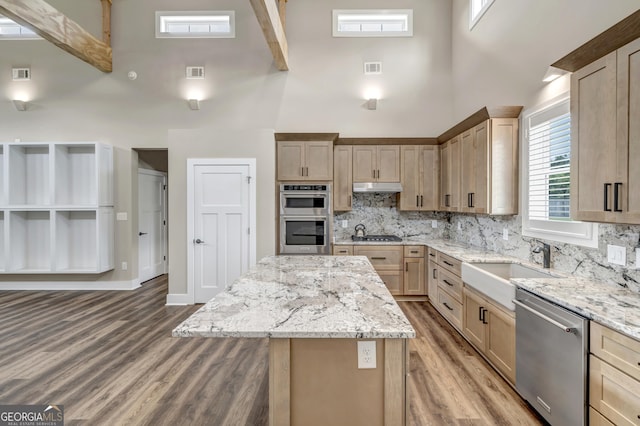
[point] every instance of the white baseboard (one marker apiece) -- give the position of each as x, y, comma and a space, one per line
179, 299
70, 285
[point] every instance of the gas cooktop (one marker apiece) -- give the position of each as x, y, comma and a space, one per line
380, 238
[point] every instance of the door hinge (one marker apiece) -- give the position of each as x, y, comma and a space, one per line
248, 179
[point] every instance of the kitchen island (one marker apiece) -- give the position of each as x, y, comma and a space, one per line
314, 310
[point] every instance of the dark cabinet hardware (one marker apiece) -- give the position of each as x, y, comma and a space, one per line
142, 233
448, 263
484, 316
406, 267
421, 201
199, 241
616, 196
447, 306
434, 276
479, 313
432, 255
447, 283
606, 197
349, 200
378, 258
472, 196
417, 201
414, 251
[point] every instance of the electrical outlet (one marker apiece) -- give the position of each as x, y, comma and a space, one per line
459, 226
121, 216
345, 223
434, 223
366, 354
616, 255
505, 234
124, 266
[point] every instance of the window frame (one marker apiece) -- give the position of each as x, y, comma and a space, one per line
201, 13
336, 14
29, 36
475, 18
570, 232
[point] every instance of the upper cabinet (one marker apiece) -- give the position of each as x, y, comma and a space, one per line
605, 138
376, 163
342, 178
305, 160
420, 166
450, 175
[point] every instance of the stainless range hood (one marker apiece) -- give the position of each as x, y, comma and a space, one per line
377, 187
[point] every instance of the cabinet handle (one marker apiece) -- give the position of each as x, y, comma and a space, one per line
349, 200
374, 173
421, 201
414, 251
616, 196
378, 176
447, 283
447, 306
432, 255
448, 263
606, 197
342, 251
480, 313
378, 258
406, 266
484, 318
473, 196
434, 276
417, 201
468, 199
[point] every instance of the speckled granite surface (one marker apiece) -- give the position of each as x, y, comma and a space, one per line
302, 297
609, 304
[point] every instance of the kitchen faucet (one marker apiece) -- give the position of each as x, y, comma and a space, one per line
546, 254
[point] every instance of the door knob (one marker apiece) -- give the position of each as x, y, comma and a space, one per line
142, 233
199, 241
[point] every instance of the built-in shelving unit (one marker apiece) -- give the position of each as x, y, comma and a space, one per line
56, 208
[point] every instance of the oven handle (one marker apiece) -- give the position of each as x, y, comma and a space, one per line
546, 318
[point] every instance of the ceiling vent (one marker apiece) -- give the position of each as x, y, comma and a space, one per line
21, 74
372, 68
195, 73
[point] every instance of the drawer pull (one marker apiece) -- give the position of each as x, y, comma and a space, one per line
414, 251
432, 255
447, 263
378, 258
447, 283
342, 251
434, 276
447, 306
406, 266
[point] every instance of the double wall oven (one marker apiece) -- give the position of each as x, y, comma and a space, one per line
305, 218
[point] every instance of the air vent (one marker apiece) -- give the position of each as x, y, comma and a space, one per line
195, 73
21, 74
372, 68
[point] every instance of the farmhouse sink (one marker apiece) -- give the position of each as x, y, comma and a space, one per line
492, 279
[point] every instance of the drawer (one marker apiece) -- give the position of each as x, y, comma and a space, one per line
343, 250
383, 258
432, 254
450, 308
393, 280
614, 394
449, 263
597, 419
413, 251
615, 348
451, 283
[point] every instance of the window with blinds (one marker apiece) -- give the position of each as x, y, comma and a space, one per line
373, 23
546, 182
10, 30
198, 24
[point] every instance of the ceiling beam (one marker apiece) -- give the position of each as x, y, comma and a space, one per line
55, 27
268, 14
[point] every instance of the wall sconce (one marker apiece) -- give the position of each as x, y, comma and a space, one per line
194, 104
20, 105
552, 74
372, 103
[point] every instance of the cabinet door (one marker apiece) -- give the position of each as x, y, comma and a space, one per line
410, 196
414, 282
473, 325
364, 163
454, 176
290, 156
480, 190
429, 177
343, 250
388, 163
629, 132
613, 393
432, 282
383, 258
500, 344
467, 170
502, 164
393, 281
593, 130
445, 181
319, 160
342, 178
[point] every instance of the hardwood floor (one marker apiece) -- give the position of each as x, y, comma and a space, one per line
109, 358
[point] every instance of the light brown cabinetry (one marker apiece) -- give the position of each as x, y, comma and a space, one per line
492, 330
342, 178
605, 138
376, 163
446, 294
304, 160
489, 167
388, 262
450, 175
342, 250
420, 167
432, 275
414, 271
614, 376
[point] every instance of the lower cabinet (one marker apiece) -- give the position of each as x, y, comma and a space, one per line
445, 286
614, 377
492, 330
414, 271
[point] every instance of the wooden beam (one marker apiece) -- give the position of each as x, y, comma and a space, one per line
269, 18
54, 26
106, 22
282, 11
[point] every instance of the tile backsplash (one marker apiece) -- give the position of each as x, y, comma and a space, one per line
379, 214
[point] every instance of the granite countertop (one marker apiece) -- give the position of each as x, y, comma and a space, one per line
302, 297
607, 304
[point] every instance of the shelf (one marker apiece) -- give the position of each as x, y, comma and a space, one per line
28, 174
75, 175
2, 258
76, 241
30, 237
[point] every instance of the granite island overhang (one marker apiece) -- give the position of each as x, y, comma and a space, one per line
314, 310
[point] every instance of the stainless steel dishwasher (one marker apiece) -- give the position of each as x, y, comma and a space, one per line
551, 359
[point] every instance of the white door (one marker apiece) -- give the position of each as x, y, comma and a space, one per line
152, 224
222, 246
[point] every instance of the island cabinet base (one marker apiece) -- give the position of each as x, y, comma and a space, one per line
317, 382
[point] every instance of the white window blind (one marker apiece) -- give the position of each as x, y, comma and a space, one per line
373, 23
200, 24
10, 30
546, 170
